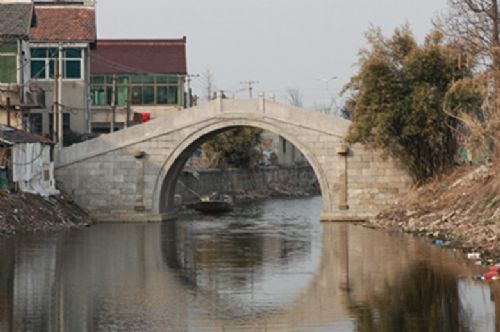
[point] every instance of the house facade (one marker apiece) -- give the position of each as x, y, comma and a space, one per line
135, 77
277, 151
16, 17
60, 38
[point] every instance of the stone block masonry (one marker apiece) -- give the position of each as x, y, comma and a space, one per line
133, 172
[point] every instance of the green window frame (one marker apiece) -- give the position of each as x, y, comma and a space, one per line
8, 63
98, 95
144, 89
122, 95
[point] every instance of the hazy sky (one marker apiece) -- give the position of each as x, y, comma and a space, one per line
280, 43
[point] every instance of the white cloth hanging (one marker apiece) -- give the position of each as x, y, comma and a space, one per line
32, 169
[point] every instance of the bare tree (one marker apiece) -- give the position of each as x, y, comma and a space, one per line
327, 107
474, 28
474, 25
208, 85
294, 97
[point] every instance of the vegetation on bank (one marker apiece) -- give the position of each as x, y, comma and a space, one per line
234, 148
398, 98
421, 104
461, 207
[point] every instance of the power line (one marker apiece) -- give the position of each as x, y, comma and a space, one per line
250, 84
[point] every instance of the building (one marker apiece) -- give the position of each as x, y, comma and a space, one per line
277, 151
16, 18
144, 76
60, 38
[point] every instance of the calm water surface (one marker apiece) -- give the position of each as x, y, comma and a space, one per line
268, 266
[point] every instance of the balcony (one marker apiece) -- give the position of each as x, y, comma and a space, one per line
11, 94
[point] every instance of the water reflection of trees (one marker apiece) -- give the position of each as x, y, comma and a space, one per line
6, 286
230, 247
424, 299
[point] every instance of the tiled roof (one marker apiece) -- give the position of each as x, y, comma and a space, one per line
55, 24
12, 135
163, 56
15, 20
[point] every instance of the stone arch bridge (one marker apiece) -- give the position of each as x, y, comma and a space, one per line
130, 175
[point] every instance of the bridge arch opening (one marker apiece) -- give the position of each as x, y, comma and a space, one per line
165, 187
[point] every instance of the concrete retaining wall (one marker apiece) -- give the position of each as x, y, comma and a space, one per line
248, 184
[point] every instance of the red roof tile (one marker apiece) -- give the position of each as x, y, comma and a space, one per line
54, 24
163, 56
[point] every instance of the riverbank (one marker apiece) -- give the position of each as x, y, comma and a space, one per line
248, 185
461, 209
21, 213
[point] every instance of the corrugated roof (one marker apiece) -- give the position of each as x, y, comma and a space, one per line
67, 23
162, 56
15, 20
10, 135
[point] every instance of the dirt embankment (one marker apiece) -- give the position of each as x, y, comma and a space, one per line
30, 213
461, 208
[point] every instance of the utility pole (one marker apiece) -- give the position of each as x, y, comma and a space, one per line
250, 86
128, 113
188, 89
8, 111
113, 105
55, 98
60, 133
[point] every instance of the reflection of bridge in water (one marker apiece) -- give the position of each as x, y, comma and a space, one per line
358, 269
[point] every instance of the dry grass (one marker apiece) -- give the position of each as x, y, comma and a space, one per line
462, 207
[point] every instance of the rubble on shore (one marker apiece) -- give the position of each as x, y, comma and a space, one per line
460, 210
22, 213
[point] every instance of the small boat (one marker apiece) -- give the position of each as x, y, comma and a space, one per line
214, 203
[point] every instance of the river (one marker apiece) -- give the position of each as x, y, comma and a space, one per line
267, 266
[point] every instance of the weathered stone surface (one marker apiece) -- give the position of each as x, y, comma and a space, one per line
130, 175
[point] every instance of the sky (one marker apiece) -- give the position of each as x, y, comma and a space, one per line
309, 45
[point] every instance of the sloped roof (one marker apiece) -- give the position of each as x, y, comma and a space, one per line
63, 23
11, 136
15, 20
162, 56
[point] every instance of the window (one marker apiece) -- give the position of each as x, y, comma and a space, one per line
144, 89
98, 95
33, 123
136, 97
43, 62
148, 95
72, 63
66, 122
8, 63
122, 95
161, 95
